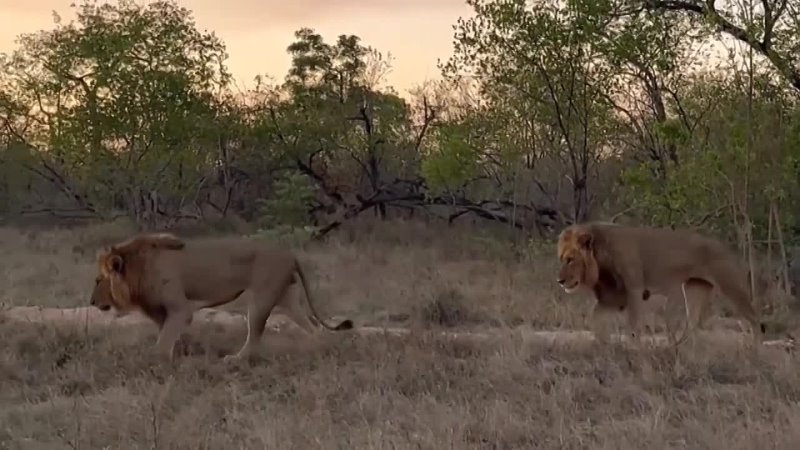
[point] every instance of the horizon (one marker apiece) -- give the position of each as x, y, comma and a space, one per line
256, 33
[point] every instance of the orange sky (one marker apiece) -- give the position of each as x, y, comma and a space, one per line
256, 32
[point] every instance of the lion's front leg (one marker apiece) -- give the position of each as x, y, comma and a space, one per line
634, 311
174, 324
636, 293
598, 323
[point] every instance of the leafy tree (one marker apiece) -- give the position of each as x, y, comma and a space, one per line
353, 140
546, 82
118, 103
770, 27
287, 208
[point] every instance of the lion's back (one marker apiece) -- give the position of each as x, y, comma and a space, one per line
224, 261
664, 251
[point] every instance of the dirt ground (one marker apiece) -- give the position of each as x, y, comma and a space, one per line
95, 384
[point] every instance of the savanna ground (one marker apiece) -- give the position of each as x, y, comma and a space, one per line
91, 386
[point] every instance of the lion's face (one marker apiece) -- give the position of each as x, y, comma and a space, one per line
111, 290
578, 266
101, 294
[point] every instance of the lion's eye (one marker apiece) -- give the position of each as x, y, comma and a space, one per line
569, 260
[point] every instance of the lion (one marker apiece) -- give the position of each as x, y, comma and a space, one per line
168, 279
623, 266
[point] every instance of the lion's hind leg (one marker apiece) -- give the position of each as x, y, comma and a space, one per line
261, 303
699, 294
734, 286
294, 308
688, 300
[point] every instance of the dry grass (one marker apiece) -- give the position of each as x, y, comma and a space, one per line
67, 386
63, 388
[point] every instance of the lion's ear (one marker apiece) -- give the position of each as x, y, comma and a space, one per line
585, 240
116, 263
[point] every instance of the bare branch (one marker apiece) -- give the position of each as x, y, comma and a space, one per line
764, 47
429, 114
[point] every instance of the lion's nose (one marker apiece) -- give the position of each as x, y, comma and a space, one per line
561, 281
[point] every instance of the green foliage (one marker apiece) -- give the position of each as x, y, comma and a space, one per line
283, 217
546, 86
671, 132
745, 158
287, 207
125, 97
454, 163
682, 199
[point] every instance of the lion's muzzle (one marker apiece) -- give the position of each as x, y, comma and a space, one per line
568, 287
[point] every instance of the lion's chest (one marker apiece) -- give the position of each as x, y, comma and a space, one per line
609, 292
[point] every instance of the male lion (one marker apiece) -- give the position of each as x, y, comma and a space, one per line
168, 279
623, 266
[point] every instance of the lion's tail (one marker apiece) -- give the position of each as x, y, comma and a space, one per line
346, 324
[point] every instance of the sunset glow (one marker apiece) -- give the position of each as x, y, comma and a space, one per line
256, 32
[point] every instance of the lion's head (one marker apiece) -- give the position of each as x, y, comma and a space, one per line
103, 300
120, 269
576, 252
101, 294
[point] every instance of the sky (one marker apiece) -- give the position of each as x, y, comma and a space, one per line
257, 32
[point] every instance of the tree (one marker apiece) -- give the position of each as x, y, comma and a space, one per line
546, 83
770, 28
119, 105
333, 124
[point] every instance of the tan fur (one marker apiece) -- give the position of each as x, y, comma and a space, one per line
696, 305
168, 279
623, 266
